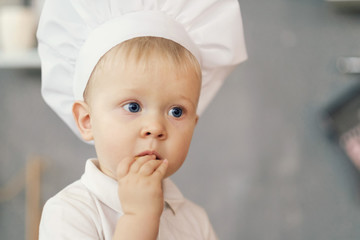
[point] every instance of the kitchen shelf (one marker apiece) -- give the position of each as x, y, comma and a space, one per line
20, 60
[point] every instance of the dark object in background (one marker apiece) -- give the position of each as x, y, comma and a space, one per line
345, 6
342, 121
27, 3
344, 114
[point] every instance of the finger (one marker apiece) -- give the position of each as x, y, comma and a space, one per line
149, 167
123, 167
140, 161
160, 172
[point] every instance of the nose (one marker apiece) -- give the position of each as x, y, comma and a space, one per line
154, 129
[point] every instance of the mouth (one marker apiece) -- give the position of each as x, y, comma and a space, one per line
149, 152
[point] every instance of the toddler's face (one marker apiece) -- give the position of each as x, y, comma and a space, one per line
134, 112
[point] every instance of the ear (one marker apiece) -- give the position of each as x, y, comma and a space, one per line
81, 113
196, 119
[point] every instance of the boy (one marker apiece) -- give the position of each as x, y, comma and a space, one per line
136, 96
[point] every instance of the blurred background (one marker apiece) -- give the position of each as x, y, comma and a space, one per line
263, 161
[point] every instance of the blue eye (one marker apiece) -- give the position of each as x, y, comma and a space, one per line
132, 107
176, 112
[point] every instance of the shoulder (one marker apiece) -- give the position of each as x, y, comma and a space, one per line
196, 211
194, 218
200, 219
76, 191
71, 212
75, 197
183, 207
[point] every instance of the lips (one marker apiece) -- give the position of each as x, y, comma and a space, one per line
149, 152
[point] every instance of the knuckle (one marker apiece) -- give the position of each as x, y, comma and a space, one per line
147, 169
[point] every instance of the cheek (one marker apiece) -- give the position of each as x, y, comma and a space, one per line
178, 154
183, 143
111, 150
106, 125
112, 140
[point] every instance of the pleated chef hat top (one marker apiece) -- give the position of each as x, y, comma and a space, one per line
74, 34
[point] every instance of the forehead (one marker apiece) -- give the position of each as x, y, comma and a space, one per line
147, 55
154, 69
151, 52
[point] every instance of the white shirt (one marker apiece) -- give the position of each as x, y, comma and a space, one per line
90, 208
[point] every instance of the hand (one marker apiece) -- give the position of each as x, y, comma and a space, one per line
140, 185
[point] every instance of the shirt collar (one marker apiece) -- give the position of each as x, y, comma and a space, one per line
102, 186
172, 195
96, 181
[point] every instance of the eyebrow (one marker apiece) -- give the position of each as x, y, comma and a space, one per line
188, 100
137, 92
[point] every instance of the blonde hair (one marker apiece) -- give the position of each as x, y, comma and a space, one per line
143, 51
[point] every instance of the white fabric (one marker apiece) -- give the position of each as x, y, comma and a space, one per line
89, 209
74, 34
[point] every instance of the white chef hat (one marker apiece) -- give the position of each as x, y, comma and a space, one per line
74, 34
